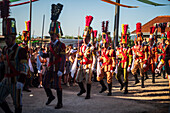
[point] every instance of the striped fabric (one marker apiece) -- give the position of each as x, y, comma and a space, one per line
8, 85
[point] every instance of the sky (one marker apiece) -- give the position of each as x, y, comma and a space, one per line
74, 12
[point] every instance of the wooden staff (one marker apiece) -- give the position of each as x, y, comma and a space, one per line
78, 38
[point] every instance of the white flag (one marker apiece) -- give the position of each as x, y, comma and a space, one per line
74, 67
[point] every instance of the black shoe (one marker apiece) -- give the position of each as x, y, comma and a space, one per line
109, 94
88, 91
82, 89
121, 87
142, 82
87, 97
146, 77
153, 77
103, 89
50, 99
81, 92
58, 106
27, 90
126, 92
18, 110
136, 82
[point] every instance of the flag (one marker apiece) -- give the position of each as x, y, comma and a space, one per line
14, 0
115, 3
74, 67
151, 3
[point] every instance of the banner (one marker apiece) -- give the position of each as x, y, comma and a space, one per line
14, 0
115, 3
152, 3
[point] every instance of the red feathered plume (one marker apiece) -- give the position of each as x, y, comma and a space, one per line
95, 33
106, 28
87, 19
103, 28
138, 27
152, 29
90, 20
125, 28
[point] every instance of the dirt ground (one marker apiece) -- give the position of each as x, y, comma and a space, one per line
154, 98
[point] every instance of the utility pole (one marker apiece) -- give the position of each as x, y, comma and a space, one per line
116, 24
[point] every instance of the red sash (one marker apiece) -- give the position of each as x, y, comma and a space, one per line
126, 59
57, 56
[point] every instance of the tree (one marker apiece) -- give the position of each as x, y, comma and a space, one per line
68, 37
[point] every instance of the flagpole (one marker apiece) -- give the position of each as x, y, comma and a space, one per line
30, 22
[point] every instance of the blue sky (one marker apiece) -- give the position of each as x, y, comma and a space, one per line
74, 11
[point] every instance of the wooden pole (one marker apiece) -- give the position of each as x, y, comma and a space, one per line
42, 30
78, 38
30, 22
114, 35
117, 23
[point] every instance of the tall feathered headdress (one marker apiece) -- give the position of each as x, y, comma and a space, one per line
105, 37
138, 31
94, 35
124, 37
88, 30
55, 27
163, 26
152, 30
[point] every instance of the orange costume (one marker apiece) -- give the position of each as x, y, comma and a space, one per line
140, 55
107, 58
125, 55
86, 56
152, 54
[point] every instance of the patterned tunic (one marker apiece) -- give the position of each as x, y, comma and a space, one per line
16, 69
57, 59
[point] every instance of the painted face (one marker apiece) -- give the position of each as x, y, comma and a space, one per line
10, 40
54, 37
151, 42
86, 40
124, 45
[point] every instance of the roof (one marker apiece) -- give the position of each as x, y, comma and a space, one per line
158, 19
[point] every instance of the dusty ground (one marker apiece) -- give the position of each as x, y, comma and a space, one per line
154, 98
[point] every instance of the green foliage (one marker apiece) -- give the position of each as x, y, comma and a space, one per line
18, 39
69, 37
